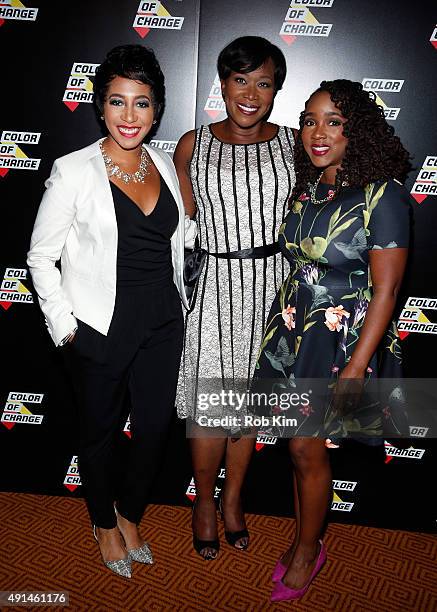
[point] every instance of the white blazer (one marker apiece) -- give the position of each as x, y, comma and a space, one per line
76, 223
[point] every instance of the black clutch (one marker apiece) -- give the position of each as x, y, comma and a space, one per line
193, 266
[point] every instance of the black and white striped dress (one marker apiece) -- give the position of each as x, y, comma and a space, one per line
242, 194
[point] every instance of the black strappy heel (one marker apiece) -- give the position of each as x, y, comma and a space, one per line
232, 537
200, 545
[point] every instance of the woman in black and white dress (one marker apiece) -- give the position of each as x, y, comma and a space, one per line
236, 176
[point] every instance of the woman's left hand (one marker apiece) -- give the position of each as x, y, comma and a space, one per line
349, 389
352, 371
190, 227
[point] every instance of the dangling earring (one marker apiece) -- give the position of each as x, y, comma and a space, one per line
154, 122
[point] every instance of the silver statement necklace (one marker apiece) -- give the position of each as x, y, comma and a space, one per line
313, 189
114, 169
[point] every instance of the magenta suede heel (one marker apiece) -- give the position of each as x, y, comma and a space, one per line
279, 571
281, 592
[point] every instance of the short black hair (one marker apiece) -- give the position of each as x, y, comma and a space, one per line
131, 62
248, 53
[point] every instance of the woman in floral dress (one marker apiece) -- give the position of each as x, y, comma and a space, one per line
346, 238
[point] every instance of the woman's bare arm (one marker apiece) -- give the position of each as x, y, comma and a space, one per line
182, 158
387, 268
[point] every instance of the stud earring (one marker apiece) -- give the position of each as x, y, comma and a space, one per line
102, 117
154, 122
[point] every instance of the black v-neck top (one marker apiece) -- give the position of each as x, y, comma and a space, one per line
144, 249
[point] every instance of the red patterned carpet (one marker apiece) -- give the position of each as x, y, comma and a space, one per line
46, 544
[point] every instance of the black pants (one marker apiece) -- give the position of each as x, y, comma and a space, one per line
140, 356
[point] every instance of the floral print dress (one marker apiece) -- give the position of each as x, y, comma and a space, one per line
318, 313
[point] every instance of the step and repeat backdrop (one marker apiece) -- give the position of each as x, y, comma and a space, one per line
50, 55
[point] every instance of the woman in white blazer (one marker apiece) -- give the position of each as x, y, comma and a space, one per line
113, 214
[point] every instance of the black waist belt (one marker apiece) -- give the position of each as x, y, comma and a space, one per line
258, 252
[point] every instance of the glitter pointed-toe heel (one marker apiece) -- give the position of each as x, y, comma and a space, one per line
122, 567
143, 554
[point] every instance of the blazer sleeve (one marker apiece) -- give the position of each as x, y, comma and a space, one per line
53, 222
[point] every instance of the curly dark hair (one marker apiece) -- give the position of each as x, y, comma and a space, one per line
373, 151
131, 62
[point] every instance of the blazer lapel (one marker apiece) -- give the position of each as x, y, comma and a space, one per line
106, 221
102, 187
